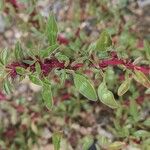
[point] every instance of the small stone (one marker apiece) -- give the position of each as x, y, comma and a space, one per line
9, 34
46, 133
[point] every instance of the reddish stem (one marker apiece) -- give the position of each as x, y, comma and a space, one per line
48, 64
128, 64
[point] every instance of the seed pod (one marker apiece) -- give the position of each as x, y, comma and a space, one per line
124, 87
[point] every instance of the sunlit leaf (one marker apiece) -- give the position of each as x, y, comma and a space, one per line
134, 110
147, 122
7, 86
34, 128
18, 51
104, 41
20, 70
47, 95
141, 78
34, 79
51, 30
106, 96
116, 145
38, 68
124, 87
85, 87
48, 51
4, 56
142, 133
147, 49
56, 138
87, 142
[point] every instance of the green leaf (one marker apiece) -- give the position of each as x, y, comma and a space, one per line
48, 51
1, 5
104, 41
142, 133
63, 76
134, 110
7, 86
92, 47
51, 30
56, 138
116, 145
147, 122
18, 51
34, 128
37, 33
106, 96
29, 62
38, 68
103, 141
147, 49
124, 87
47, 95
35, 79
141, 78
20, 70
87, 142
85, 87
62, 57
4, 56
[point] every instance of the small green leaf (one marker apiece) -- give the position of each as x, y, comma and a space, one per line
147, 49
134, 110
29, 62
104, 41
4, 56
47, 95
48, 51
35, 79
142, 133
103, 141
51, 30
141, 78
124, 87
38, 68
106, 96
7, 86
18, 51
92, 47
1, 5
116, 145
62, 57
63, 76
37, 33
87, 142
56, 138
20, 70
34, 128
147, 122
85, 87
109, 100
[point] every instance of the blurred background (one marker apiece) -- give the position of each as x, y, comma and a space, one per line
25, 124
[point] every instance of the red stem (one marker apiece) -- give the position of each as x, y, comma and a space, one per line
48, 64
128, 64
